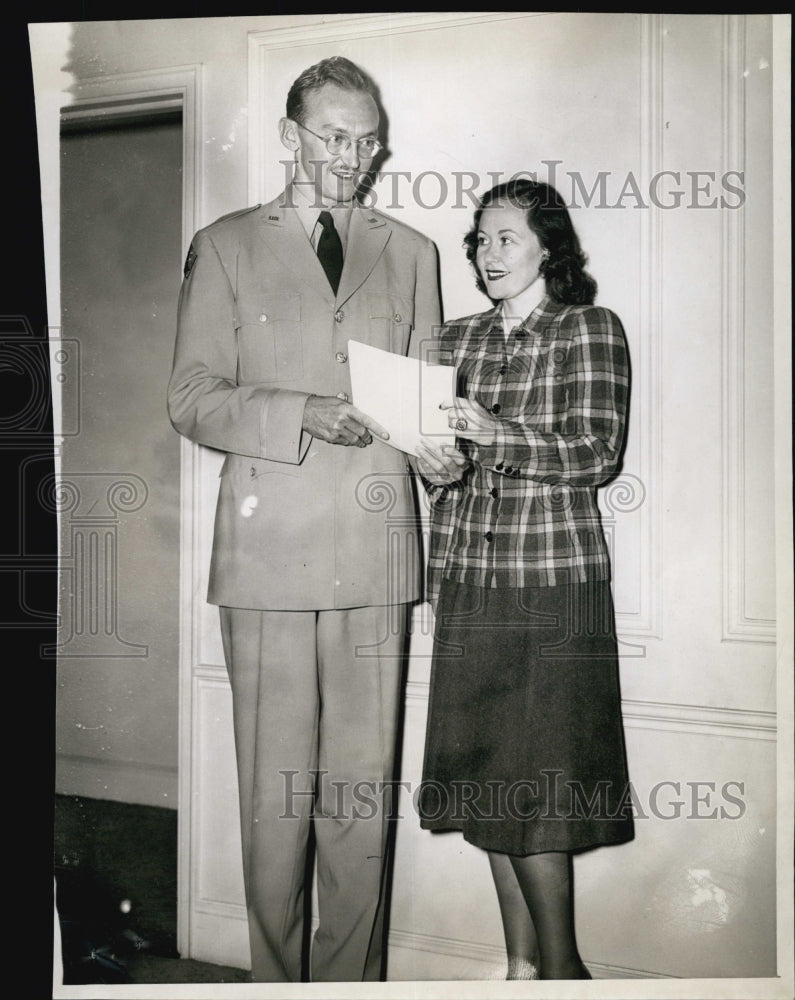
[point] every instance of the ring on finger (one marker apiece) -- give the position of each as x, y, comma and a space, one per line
461, 424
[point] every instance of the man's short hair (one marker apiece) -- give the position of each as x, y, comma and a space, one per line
337, 70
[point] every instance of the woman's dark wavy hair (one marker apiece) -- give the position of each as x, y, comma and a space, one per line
564, 271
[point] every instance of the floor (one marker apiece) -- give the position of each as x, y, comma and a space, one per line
116, 878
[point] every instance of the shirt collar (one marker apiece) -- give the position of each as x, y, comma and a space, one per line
539, 294
308, 206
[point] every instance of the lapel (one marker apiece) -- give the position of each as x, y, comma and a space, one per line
285, 237
367, 236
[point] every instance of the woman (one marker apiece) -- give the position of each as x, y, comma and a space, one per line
525, 749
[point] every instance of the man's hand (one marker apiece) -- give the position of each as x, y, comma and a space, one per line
338, 422
440, 464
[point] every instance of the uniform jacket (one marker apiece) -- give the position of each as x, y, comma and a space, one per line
300, 524
525, 515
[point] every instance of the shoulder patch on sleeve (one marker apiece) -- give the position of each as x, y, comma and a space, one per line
190, 260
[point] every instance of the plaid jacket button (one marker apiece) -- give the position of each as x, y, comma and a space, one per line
488, 536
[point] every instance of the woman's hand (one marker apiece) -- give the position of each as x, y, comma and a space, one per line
470, 420
440, 464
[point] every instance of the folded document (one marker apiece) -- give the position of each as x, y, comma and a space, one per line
402, 394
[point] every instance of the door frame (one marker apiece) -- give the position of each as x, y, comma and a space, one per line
101, 99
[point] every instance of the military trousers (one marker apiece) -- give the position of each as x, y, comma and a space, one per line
316, 698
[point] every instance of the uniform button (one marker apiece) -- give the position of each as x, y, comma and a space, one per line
558, 377
340, 357
398, 318
339, 316
488, 536
343, 396
508, 470
263, 317
495, 492
503, 369
498, 466
496, 408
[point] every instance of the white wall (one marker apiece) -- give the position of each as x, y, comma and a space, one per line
693, 519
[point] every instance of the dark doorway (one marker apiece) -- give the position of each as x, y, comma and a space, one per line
117, 697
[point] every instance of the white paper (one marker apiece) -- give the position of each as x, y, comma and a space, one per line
402, 394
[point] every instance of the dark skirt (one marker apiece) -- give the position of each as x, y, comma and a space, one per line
524, 749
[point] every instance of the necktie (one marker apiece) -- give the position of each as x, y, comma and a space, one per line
329, 250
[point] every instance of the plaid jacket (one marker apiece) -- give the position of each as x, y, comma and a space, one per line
525, 514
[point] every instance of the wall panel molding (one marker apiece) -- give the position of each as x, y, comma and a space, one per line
699, 720
646, 395
738, 626
695, 720
223, 910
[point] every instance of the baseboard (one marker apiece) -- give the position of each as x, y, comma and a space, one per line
416, 957
117, 781
602, 970
427, 957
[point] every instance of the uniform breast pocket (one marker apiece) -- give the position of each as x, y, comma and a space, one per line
269, 347
391, 321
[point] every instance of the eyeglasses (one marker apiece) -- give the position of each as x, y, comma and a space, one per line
338, 143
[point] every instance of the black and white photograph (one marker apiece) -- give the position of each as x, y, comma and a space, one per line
418, 461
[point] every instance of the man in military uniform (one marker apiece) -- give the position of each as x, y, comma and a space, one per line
300, 568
